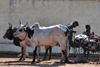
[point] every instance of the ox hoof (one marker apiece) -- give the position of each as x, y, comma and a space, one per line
43, 59
37, 61
67, 61
23, 59
61, 61
20, 59
32, 62
49, 58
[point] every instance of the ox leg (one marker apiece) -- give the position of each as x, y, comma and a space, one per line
38, 52
45, 54
63, 48
87, 54
84, 53
22, 54
67, 48
67, 54
63, 55
50, 52
34, 54
66, 58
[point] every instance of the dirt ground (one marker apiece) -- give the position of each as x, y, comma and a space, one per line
11, 60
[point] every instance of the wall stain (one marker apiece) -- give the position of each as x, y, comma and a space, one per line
27, 0
43, 2
11, 2
12, 5
70, 5
33, 1
19, 1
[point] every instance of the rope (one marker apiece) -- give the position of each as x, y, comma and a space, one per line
25, 35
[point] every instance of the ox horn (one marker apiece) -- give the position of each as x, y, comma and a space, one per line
20, 22
10, 25
26, 24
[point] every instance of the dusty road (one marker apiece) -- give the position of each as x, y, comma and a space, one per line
7, 60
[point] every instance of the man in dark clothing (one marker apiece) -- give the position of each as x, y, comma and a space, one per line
88, 31
71, 26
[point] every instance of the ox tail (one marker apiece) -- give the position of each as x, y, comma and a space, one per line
66, 32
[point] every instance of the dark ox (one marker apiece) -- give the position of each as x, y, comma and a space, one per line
16, 40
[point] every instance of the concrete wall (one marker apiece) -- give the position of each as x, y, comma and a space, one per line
49, 12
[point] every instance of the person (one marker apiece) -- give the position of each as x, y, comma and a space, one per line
69, 41
70, 27
89, 33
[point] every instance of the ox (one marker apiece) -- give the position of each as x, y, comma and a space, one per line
44, 36
16, 40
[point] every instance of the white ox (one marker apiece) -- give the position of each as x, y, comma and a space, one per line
45, 36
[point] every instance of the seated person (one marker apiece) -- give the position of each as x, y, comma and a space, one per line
89, 33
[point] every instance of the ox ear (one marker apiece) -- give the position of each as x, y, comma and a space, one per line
10, 25
20, 22
15, 29
26, 24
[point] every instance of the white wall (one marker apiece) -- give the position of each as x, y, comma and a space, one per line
55, 49
13, 48
49, 12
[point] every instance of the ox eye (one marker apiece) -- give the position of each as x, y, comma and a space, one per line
33, 27
7, 31
20, 30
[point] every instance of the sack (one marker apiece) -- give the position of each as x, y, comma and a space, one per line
80, 59
95, 38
